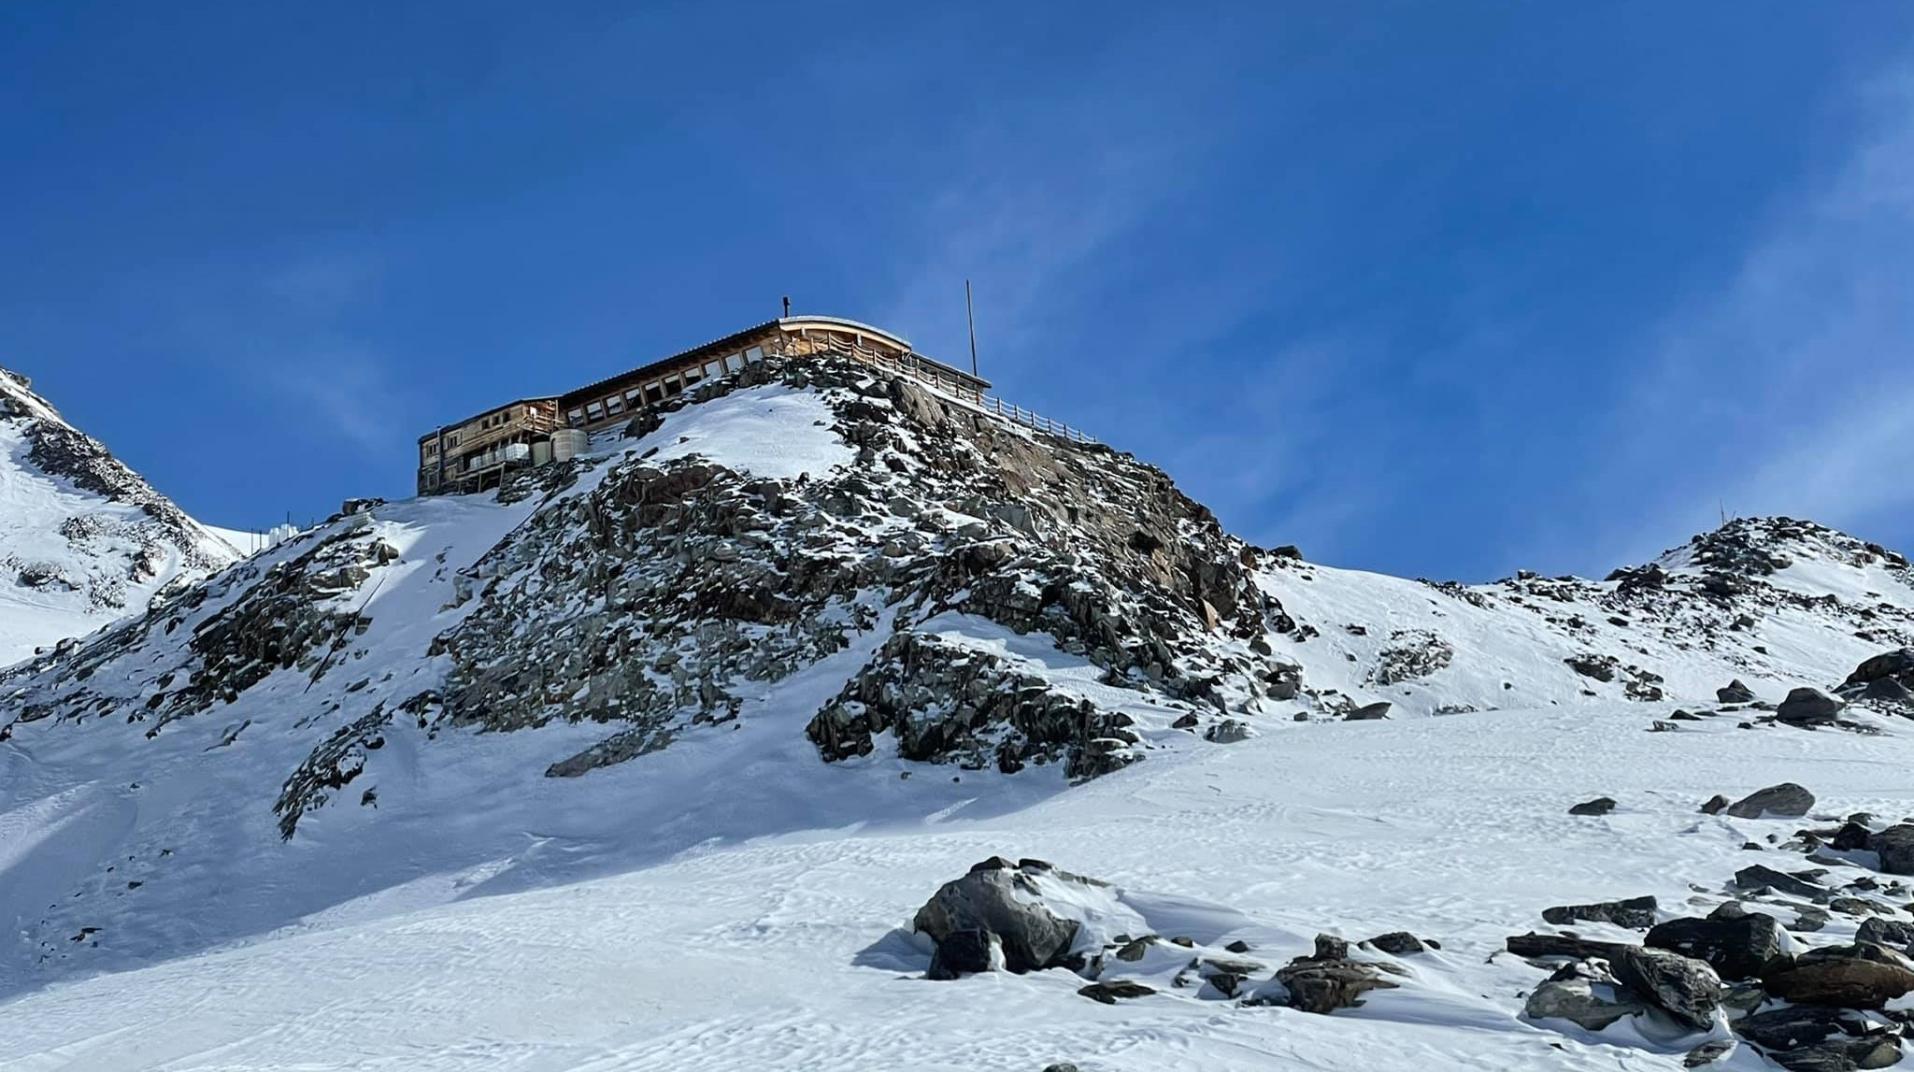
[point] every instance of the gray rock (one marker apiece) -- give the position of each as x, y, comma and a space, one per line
1736, 947
1585, 994
1891, 933
1369, 712
1858, 976
1808, 707
1895, 846
1228, 731
1109, 993
1708, 1053
1806, 1038
1635, 912
1397, 943
1000, 900
1688, 990
1735, 692
1598, 806
1786, 799
1757, 876
1327, 980
1714, 804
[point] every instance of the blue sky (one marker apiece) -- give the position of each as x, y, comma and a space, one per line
1439, 289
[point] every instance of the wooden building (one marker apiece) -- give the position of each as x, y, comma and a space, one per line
475, 453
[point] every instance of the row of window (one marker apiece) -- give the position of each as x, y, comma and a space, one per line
669, 386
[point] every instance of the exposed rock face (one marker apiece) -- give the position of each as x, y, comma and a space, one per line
1412, 654
668, 588
946, 703
1786, 799
998, 903
1737, 947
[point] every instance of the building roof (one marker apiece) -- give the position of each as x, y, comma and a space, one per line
486, 412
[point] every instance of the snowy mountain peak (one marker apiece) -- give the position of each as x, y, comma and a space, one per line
83, 538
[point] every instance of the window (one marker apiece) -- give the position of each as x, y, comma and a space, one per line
594, 411
673, 386
635, 398
754, 355
614, 405
713, 369
692, 376
576, 415
733, 362
452, 440
654, 393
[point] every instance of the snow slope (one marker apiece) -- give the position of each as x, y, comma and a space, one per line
774, 952
642, 762
83, 540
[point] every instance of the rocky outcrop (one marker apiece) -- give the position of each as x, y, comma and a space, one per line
1327, 979
1857, 976
1808, 707
943, 702
1585, 993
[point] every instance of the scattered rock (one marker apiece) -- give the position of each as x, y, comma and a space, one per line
1891, 933
1786, 799
1635, 912
1737, 947
1804, 1038
1714, 805
1585, 993
1735, 692
1368, 712
1328, 980
1398, 943
1808, 707
1598, 806
1708, 1053
1895, 846
1112, 991
1537, 946
1685, 988
1756, 876
1858, 976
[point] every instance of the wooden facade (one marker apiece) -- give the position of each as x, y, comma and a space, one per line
474, 454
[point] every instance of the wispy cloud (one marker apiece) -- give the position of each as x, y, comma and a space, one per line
1789, 391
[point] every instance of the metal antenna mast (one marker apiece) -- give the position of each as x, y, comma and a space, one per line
970, 314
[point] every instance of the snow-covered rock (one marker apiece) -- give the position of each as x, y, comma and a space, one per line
84, 540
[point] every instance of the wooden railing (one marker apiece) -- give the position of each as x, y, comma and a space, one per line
925, 372
1035, 421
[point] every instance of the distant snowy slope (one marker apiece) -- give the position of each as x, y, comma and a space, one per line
83, 539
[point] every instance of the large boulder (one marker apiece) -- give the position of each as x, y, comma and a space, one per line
1808, 707
1585, 993
1736, 947
1598, 806
1688, 990
1858, 976
1892, 664
1735, 692
1787, 799
1000, 902
1895, 846
1635, 912
1761, 876
1891, 933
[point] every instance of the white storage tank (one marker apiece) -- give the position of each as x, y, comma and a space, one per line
569, 443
